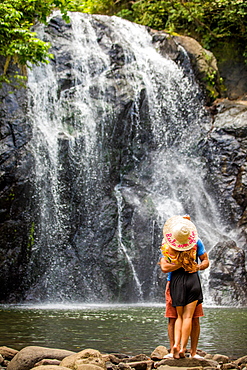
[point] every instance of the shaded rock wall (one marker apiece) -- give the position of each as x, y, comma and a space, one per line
228, 276
16, 191
224, 147
232, 67
107, 244
225, 152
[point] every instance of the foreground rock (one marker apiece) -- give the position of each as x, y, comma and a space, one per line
188, 362
29, 356
89, 359
41, 358
8, 353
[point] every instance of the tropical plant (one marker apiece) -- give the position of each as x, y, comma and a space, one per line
209, 22
18, 44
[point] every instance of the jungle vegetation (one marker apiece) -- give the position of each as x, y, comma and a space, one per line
211, 22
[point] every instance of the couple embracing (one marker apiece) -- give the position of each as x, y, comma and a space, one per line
181, 251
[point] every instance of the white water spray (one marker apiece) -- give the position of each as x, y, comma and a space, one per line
77, 113
122, 247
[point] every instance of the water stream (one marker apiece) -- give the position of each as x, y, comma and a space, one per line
122, 247
129, 329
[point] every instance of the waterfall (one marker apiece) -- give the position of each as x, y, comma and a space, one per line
116, 127
122, 247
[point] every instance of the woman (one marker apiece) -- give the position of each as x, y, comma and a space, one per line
179, 248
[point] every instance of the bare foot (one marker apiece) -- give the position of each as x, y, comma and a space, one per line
182, 352
176, 352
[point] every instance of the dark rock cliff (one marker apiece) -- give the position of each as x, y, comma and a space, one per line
89, 257
16, 191
228, 276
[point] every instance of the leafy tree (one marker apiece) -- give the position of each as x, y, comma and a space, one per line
210, 22
18, 44
93, 6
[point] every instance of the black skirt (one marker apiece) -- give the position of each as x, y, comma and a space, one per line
185, 288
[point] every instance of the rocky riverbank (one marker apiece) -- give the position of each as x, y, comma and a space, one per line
42, 358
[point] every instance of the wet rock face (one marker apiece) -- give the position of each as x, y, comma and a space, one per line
203, 62
225, 151
104, 269
224, 148
228, 275
16, 190
90, 259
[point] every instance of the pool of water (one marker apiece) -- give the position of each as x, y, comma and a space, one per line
130, 329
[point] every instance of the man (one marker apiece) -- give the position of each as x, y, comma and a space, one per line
171, 312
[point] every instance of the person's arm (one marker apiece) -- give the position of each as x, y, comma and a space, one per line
168, 267
204, 261
203, 265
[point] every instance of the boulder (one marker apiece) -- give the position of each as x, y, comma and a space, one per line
208, 356
47, 361
227, 275
231, 117
29, 356
88, 359
159, 353
82, 366
221, 358
203, 61
123, 366
228, 366
8, 353
204, 65
136, 358
241, 360
111, 358
140, 365
50, 367
1, 359
225, 151
187, 363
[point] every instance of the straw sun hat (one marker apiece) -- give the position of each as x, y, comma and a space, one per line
180, 233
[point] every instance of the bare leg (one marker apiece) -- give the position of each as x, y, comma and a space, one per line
188, 313
171, 325
178, 331
195, 333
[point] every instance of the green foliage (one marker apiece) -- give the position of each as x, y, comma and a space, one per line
31, 238
210, 22
92, 6
18, 44
153, 14
126, 14
207, 21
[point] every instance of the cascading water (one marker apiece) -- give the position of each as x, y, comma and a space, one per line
116, 127
121, 244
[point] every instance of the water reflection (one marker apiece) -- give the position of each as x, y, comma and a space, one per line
224, 330
126, 329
